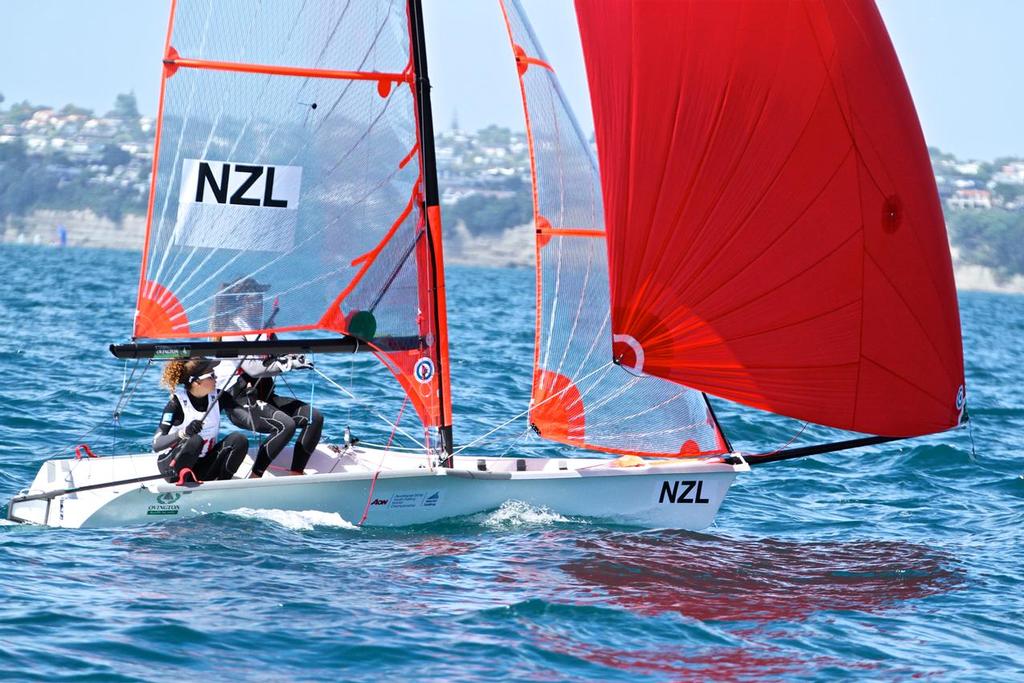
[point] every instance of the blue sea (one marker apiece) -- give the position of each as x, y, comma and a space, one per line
900, 561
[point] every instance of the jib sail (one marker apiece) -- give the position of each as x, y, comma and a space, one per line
288, 184
581, 395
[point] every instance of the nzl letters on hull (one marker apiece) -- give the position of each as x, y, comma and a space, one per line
236, 205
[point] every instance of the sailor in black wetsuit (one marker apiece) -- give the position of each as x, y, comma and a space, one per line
187, 435
260, 409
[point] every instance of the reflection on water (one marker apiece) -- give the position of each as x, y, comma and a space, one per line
718, 579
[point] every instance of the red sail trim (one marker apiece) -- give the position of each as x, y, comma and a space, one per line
152, 177
523, 61
570, 232
540, 222
440, 300
557, 412
333, 312
272, 70
774, 232
160, 314
410, 156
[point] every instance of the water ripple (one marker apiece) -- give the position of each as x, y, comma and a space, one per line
897, 561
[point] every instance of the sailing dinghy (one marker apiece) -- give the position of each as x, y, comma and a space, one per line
763, 226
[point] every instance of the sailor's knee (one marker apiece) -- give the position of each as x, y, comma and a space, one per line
237, 441
192, 444
286, 422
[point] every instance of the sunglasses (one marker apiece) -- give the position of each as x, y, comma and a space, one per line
200, 378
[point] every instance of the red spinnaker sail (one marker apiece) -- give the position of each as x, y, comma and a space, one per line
287, 191
775, 235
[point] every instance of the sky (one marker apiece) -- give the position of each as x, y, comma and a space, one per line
963, 61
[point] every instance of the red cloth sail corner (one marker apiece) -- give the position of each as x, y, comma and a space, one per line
774, 232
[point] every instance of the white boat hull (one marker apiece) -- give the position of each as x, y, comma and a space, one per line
406, 490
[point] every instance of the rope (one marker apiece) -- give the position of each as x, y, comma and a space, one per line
787, 444
527, 411
380, 464
362, 403
397, 420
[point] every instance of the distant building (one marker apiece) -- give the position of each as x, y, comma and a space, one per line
970, 199
968, 167
1010, 174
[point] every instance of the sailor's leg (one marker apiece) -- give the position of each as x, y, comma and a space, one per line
264, 418
310, 422
226, 456
281, 428
185, 454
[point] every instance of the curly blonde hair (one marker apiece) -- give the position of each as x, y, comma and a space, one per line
178, 371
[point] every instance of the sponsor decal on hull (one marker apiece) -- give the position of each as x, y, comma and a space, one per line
166, 504
407, 500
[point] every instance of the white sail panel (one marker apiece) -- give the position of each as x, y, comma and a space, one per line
358, 35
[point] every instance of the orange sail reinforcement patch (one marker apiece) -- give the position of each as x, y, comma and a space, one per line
558, 412
160, 313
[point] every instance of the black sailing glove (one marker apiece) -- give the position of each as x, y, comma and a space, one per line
193, 428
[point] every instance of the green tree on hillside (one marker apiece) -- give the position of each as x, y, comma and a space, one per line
126, 110
71, 110
993, 238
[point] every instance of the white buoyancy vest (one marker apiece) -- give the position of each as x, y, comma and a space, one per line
211, 421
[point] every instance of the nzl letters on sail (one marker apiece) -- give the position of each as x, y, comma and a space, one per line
232, 205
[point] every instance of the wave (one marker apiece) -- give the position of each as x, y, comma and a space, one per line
296, 520
514, 514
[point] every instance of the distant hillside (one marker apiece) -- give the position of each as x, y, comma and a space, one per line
71, 171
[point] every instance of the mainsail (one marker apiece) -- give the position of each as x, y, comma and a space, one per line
774, 231
581, 395
289, 191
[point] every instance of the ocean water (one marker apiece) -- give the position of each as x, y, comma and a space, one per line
899, 561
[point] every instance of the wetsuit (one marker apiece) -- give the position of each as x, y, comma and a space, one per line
197, 449
259, 409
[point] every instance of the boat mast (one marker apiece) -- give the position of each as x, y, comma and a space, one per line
432, 213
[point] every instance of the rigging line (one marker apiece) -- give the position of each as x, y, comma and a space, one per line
122, 403
788, 443
380, 463
527, 411
374, 412
523, 435
81, 437
351, 380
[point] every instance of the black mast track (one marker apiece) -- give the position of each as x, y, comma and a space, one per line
431, 197
171, 350
804, 451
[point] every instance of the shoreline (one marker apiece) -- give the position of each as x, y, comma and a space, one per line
511, 248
